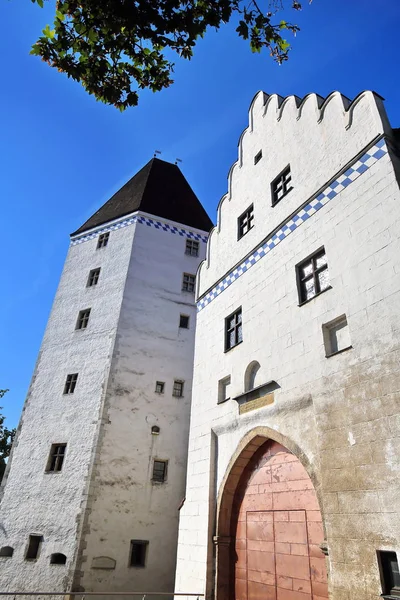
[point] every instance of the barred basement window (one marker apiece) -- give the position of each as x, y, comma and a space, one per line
160, 387
70, 383
93, 277
281, 185
137, 557
390, 575
188, 282
258, 157
192, 248
177, 389
103, 240
184, 321
233, 330
35, 542
58, 559
83, 319
312, 276
245, 222
56, 458
159, 471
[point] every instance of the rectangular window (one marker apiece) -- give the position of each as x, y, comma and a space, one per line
56, 458
312, 276
93, 277
188, 282
70, 383
281, 185
160, 387
138, 553
32, 552
390, 575
224, 389
184, 321
336, 336
160, 471
233, 330
192, 248
177, 389
103, 240
245, 222
83, 319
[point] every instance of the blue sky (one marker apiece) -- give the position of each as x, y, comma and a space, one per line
64, 154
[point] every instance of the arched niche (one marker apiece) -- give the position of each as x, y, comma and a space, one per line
250, 376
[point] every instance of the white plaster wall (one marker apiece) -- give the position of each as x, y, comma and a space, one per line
150, 347
51, 504
360, 231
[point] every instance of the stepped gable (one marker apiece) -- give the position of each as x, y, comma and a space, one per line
159, 189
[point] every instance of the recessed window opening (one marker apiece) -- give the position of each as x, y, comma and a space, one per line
245, 222
184, 321
281, 185
258, 157
56, 458
6, 551
159, 471
224, 389
192, 248
160, 385
138, 553
83, 319
233, 329
155, 430
93, 278
389, 571
336, 336
58, 559
103, 240
35, 542
188, 282
70, 383
250, 378
312, 276
177, 390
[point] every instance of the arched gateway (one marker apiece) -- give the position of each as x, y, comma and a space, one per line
269, 529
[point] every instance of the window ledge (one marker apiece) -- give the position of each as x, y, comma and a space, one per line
339, 351
232, 347
223, 401
316, 296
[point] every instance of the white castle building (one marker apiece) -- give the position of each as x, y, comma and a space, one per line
293, 487
91, 494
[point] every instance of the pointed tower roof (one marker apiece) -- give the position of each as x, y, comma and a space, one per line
159, 189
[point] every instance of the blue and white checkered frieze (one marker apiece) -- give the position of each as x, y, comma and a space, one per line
331, 191
191, 235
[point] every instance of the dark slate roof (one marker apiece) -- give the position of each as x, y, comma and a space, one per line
159, 189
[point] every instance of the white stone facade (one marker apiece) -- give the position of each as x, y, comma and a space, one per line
104, 497
341, 412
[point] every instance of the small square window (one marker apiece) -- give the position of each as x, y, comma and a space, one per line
192, 248
83, 319
258, 157
233, 330
224, 389
93, 277
188, 283
56, 458
159, 471
177, 389
35, 542
390, 575
138, 552
245, 222
160, 387
184, 321
312, 276
281, 185
103, 240
70, 383
336, 336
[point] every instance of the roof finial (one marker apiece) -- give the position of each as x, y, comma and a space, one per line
177, 160
156, 152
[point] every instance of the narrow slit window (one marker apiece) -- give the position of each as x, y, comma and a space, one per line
258, 157
390, 575
103, 240
233, 330
138, 553
188, 282
246, 222
34, 544
70, 383
281, 185
93, 278
83, 319
184, 321
159, 471
192, 248
56, 458
177, 390
160, 385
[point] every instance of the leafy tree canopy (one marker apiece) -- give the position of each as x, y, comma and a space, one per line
6, 440
117, 47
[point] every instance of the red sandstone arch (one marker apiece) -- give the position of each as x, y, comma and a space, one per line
269, 525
